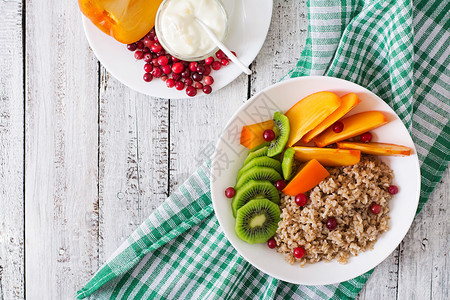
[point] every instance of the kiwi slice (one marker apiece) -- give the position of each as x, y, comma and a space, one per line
281, 128
254, 189
258, 173
257, 221
260, 146
257, 153
288, 163
263, 161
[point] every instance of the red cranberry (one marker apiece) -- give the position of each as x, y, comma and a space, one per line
366, 137
200, 69
140, 45
157, 72
164, 77
186, 73
191, 91
207, 89
148, 68
155, 62
138, 55
148, 57
174, 59
209, 80
185, 64
209, 60
148, 77
179, 85
193, 66
151, 35
170, 83
271, 243
167, 69
162, 52
224, 62
163, 61
268, 135
148, 42
156, 47
196, 76
216, 65
375, 208
338, 126
207, 70
299, 252
198, 85
146, 50
393, 189
280, 184
301, 199
156, 38
331, 223
234, 53
132, 47
230, 192
176, 76
188, 81
178, 67
220, 54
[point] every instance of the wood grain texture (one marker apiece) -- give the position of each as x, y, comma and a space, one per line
61, 216
133, 160
11, 152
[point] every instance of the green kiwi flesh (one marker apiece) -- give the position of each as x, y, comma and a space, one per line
254, 189
281, 128
288, 163
260, 146
257, 153
257, 221
262, 161
258, 173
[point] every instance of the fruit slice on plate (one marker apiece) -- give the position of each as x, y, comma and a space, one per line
310, 175
349, 101
281, 128
309, 112
353, 126
328, 156
376, 148
257, 221
252, 135
126, 20
257, 153
258, 173
254, 189
262, 161
288, 164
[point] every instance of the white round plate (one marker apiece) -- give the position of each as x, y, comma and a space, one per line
249, 22
229, 156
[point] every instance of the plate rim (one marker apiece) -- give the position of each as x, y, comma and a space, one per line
247, 104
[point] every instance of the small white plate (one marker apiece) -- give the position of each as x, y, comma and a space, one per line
229, 156
249, 24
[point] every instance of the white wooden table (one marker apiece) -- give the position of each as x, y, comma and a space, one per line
84, 159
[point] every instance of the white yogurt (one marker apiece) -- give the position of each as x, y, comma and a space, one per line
182, 35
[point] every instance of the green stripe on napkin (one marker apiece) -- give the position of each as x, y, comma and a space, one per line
397, 50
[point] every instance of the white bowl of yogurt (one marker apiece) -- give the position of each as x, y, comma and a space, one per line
182, 36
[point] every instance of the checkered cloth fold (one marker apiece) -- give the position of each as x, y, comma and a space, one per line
398, 49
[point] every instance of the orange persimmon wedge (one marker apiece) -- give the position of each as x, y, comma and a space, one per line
252, 135
309, 112
376, 148
353, 126
349, 101
125, 20
328, 156
310, 175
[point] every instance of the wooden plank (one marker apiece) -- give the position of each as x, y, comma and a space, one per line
133, 166
11, 152
424, 266
61, 214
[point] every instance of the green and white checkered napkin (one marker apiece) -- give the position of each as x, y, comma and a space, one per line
398, 49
